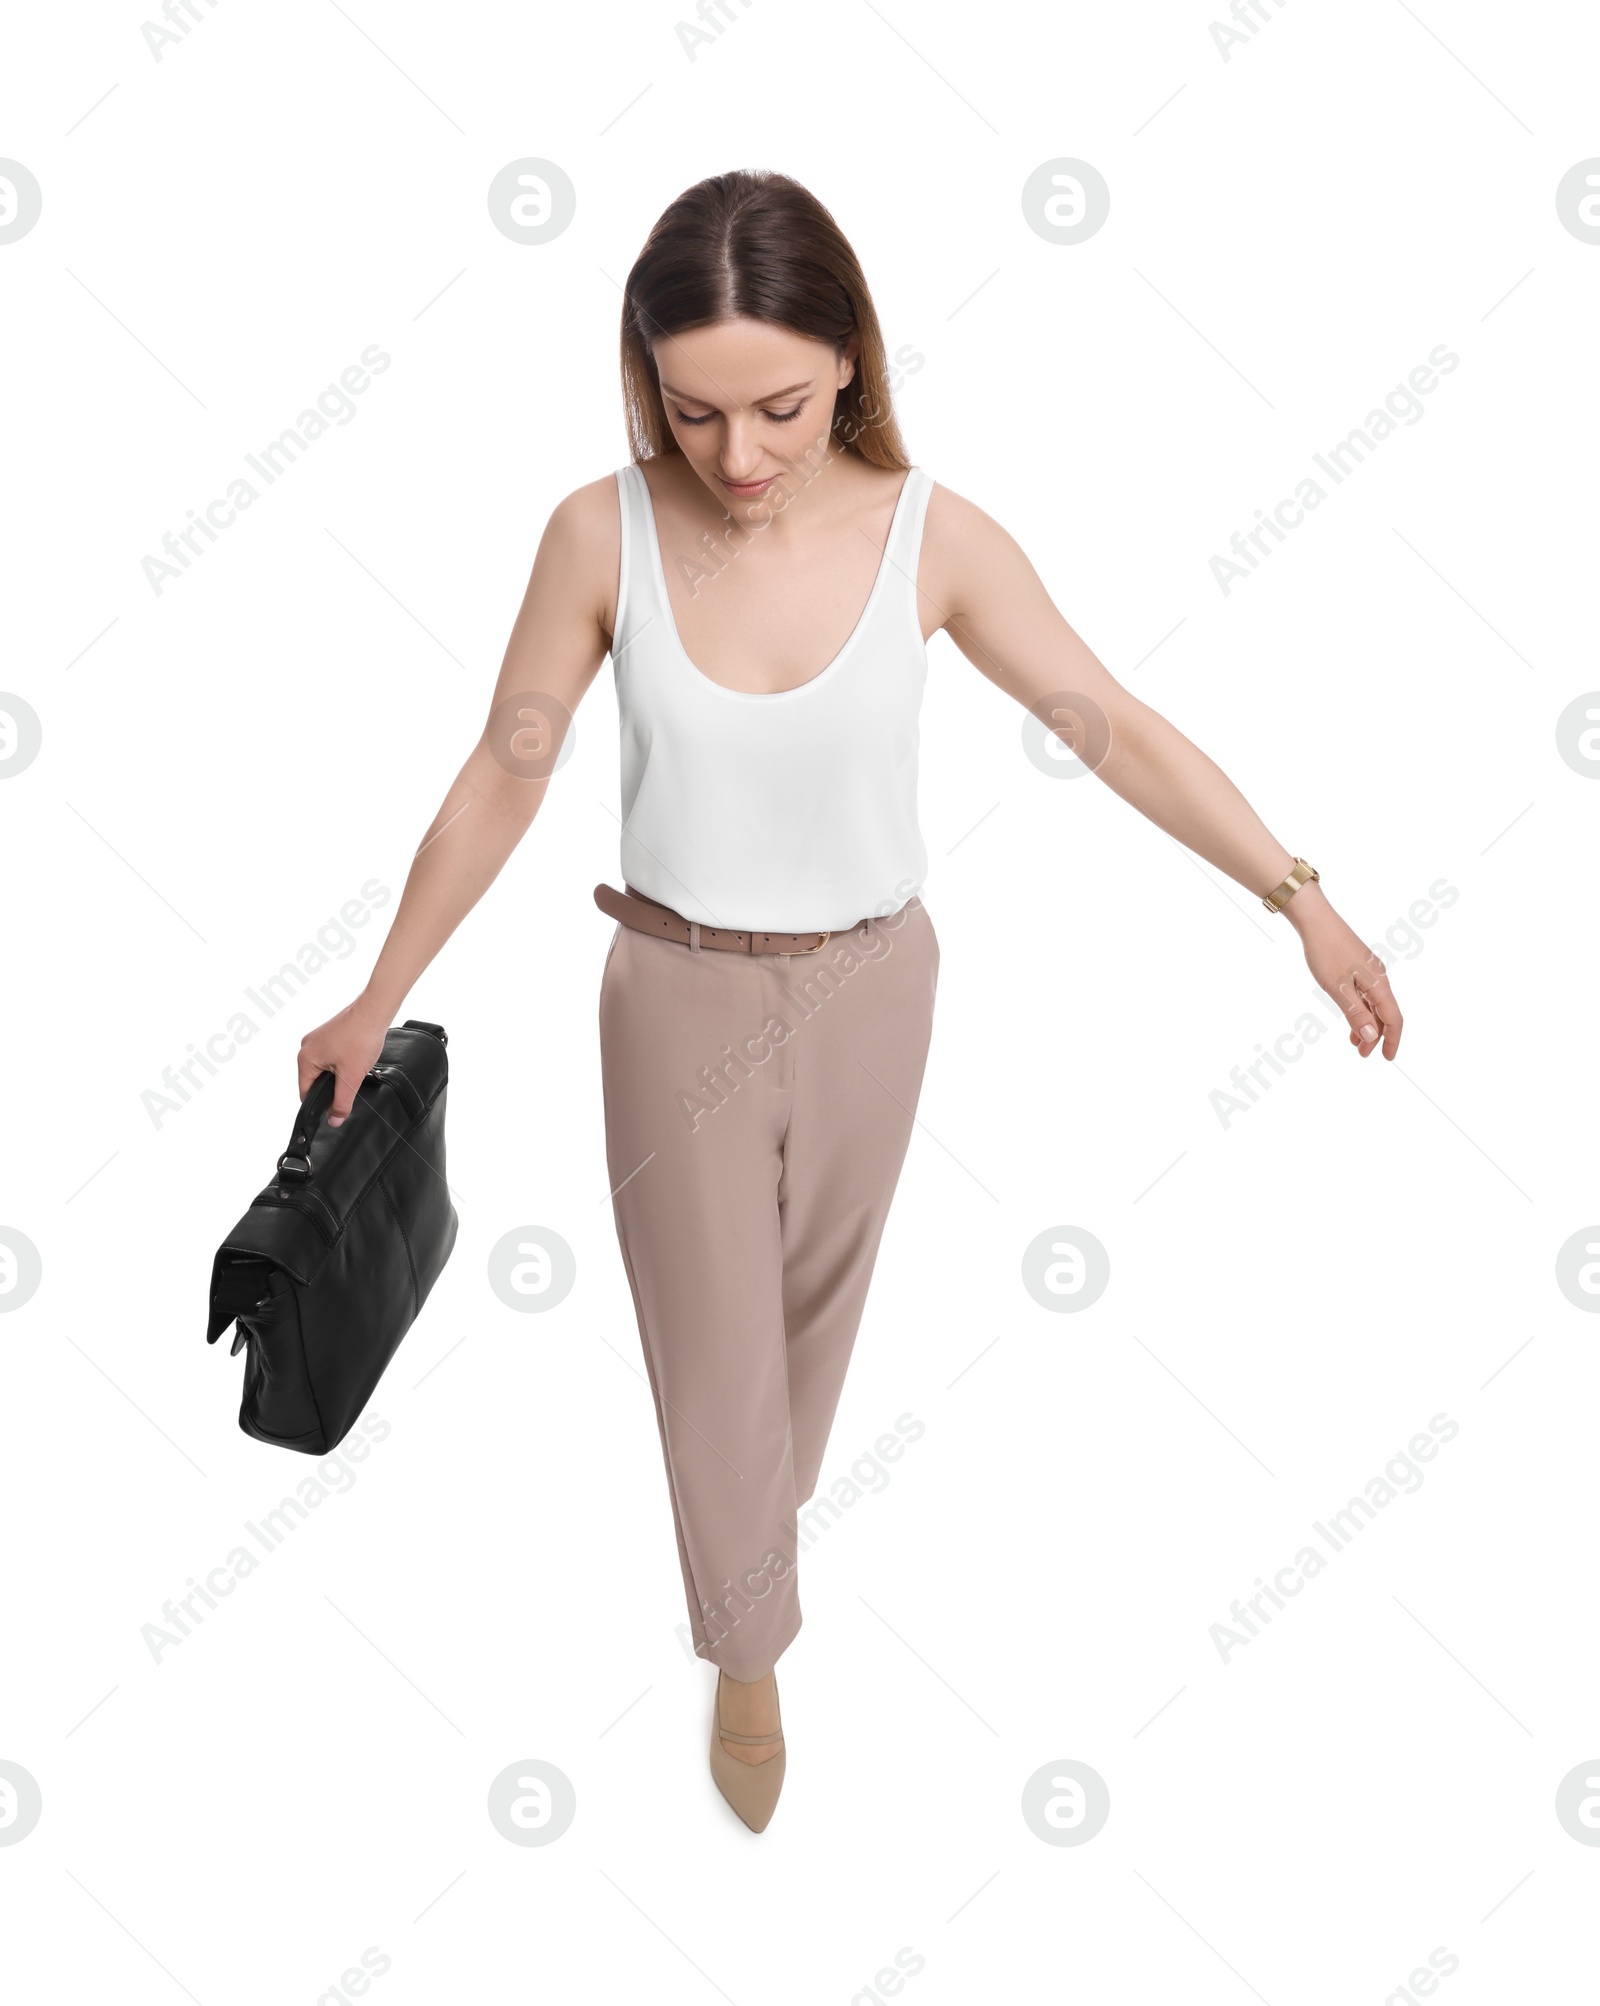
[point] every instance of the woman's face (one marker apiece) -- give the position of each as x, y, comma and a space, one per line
751, 405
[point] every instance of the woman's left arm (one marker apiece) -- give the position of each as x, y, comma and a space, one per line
994, 606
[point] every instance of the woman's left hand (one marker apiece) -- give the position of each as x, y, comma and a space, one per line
1352, 974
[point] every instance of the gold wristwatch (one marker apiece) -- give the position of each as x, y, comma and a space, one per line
1280, 895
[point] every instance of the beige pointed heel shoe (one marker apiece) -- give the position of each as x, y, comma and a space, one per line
750, 1787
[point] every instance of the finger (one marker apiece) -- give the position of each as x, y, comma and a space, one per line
1365, 1030
346, 1084
311, 1070
1386, 1012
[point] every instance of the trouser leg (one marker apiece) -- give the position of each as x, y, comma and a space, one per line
863, 1016
694, 1146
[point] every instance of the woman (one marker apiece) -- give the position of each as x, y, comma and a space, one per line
765, 574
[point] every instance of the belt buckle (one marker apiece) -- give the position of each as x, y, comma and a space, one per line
822, 941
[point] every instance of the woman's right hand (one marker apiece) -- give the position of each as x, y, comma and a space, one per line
348, 1046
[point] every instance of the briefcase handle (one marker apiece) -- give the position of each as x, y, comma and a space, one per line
294, 1166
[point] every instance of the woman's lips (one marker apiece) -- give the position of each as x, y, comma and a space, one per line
747, 487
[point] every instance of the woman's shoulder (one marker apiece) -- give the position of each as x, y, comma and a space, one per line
590, 505
582, 541
953, 515
588, 520
960, 541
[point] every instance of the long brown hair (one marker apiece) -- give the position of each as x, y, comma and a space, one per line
754, 245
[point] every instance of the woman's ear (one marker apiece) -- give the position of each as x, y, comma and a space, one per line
847, 360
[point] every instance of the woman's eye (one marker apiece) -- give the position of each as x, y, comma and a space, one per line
778, 417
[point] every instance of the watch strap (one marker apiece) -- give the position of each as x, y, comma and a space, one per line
1280, 895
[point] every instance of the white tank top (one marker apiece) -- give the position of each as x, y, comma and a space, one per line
780, 812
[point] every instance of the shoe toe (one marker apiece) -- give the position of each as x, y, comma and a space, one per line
750, 1787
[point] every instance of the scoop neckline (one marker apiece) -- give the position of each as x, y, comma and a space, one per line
795, 689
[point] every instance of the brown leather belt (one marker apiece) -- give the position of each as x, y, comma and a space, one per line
647, 915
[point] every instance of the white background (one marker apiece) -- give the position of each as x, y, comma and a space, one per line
1292, 1295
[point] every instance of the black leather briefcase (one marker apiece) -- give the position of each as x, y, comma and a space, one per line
327, 1270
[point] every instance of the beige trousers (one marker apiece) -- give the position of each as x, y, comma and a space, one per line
757, 1109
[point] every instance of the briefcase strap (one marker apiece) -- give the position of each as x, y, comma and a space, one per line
294, 1166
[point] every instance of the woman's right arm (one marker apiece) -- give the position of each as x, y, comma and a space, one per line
558, 641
